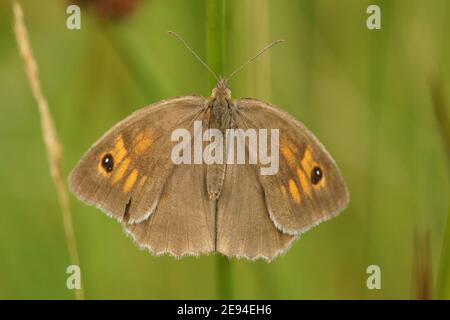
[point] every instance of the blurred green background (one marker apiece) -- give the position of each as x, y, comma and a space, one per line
365, 94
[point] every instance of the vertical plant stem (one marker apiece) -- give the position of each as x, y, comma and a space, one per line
259, 84
440, 106
215, 44
309, 45
258, 29
215, 37
51, 141
376, 72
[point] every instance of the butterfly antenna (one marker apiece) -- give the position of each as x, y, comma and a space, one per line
256, 56
193, 52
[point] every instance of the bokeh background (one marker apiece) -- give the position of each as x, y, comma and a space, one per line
367, 95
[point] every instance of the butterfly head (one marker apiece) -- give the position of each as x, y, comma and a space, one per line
221, 90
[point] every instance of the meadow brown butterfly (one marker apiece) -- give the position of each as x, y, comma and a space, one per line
198, 208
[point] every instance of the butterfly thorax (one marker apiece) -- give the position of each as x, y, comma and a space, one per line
221, 105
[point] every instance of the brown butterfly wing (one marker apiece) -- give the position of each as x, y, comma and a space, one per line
296, 197
184, 220
244, 228
140, 148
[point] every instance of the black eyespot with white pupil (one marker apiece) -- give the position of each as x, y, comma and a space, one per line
316, 175
108, 162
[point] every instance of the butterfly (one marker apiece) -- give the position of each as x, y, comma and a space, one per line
199, 208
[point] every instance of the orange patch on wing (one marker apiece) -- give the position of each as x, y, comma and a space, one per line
293, 189
131, 180
142, 142
288, 155
304, 182
142, 181
119, 152
307, 161
288, 152
120, 171
283, 191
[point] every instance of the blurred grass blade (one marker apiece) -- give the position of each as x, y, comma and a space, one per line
215, 37
51, 141
215, 44
259, 84
440, 107
422, 284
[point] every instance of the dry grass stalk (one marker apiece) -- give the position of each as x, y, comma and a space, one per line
52, 145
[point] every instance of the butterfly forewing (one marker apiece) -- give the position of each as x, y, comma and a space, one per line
125, 171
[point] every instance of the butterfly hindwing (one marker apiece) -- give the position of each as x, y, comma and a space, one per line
184, 220
244, 228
